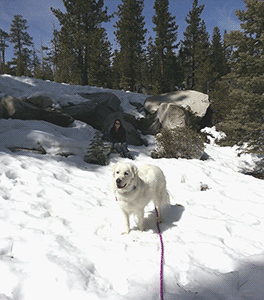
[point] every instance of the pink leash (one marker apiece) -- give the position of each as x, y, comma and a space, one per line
162, 257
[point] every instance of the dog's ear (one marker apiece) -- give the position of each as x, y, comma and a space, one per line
134, 171
114, 168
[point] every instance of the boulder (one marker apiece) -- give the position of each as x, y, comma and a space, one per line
40, 99
18, 109
196, 102
171, 116
129, 123
96, 110
149, 125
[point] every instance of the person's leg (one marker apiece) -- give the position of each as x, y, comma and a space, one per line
124, 149
117, 147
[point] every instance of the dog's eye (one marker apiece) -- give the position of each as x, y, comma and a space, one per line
117, 172
126, 173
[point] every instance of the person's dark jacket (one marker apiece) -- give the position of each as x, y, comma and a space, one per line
118, 136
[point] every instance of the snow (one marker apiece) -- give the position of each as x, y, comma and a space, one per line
60, 224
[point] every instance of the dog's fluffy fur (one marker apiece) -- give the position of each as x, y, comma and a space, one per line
135, 187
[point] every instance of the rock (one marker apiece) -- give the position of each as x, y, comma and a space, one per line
19, 109
171, 116
129, 123
96, 110
40, 99
149, 125
39, 150
2, 110
56, 116
197, 102
137, 105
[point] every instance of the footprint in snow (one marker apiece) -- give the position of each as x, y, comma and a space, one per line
11, 174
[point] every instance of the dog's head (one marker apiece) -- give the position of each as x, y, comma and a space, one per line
124, 176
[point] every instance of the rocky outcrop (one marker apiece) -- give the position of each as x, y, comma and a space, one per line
171, 116
196, 102
19, 109
177, 109
40, 99
96, 110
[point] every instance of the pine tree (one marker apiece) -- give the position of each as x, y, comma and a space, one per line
4, 37
79, 23
54, 53
218, 55
203, 71
246, 79
35, 62
130, 35
99, 65
166, 36
21, 40
43, 67
150, 63
192, 38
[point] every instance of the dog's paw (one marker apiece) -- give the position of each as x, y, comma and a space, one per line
159, 220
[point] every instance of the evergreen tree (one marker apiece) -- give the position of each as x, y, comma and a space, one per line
21, 40
246, 79
150, 63
130, 34
203, 71
190, 48
79, 24
35, 63
218, 55
99, 65
43, 67
166, 36
54, 53
3, 45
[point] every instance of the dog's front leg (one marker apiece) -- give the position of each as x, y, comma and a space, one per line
159, 218
126, 220
140, 216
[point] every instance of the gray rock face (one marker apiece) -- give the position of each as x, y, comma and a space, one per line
197, 102
177, 109
19, 109
96, 110
171, 116
40, 99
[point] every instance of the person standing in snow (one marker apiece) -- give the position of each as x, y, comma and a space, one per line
118, 136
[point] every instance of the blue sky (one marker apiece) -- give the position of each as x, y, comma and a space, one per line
40, 19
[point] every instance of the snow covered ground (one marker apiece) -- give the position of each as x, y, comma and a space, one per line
60, 224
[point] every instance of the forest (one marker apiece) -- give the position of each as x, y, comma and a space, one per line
228, 68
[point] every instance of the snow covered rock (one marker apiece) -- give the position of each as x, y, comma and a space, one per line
19, 109
197, 102
40, 99
96, 110
176, 109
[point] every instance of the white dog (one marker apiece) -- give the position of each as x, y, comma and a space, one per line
135, 187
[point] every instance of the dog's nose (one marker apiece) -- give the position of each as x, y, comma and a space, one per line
118, 181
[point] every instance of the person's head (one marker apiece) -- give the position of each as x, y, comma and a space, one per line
117, 124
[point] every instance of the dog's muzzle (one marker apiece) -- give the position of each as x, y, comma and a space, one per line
118, 183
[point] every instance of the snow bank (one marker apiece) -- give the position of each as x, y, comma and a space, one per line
60, 224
